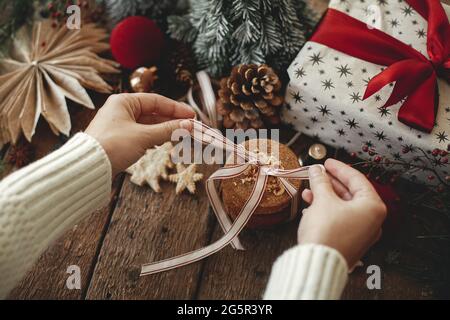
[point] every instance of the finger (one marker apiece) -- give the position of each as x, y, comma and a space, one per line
153, 119
145, 104
340, 189
307, 196
160, 133
351, 178
319, 182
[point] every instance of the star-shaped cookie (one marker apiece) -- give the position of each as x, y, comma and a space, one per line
186, 178
152, 167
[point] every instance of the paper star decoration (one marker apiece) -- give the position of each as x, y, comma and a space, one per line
46, 65
152, 167
186, 178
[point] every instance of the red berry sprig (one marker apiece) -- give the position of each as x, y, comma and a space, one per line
57, 11
385, 170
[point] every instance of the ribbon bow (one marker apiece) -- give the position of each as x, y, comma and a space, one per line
206, 135
414, 74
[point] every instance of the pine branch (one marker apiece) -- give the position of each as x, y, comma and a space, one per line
181, 29
158, 10
227, 33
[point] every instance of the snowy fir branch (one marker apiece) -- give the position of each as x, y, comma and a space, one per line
227, 33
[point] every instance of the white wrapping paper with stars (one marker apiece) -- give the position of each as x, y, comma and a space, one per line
325, 94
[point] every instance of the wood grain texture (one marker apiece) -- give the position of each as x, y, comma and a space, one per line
140, 226
79, 246
148, 227
412, 267
47, 279
244, 274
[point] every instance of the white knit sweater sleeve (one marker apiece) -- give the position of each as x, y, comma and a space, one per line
40, 202
308, 272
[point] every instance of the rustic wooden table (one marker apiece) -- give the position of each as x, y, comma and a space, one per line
141, 226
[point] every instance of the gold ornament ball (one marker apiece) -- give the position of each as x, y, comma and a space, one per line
144, 79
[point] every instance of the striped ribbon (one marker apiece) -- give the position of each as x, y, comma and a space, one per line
207, 135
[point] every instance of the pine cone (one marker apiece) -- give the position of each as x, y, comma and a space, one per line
250, 97
181, 64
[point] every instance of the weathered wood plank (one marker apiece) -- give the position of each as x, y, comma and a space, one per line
244, 275
400, 250
80, 246
394, 284
411, 267
148, 227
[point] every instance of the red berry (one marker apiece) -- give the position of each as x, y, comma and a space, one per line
436, 152
365, 148
444, 153
431, 177
377, 159
353, 155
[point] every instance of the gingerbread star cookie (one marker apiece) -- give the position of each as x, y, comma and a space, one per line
186, 178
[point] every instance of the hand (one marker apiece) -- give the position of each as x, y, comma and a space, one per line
129, 124
346, 212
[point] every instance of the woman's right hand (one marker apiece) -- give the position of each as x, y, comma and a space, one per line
129, 124
345, 211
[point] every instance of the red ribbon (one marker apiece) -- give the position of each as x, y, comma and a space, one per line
414, 74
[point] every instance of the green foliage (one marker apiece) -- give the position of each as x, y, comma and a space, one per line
13, 15
16, 13
225, 33
158, 10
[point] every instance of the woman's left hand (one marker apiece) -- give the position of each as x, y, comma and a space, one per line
129, 124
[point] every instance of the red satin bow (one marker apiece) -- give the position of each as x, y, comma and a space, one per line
414, 74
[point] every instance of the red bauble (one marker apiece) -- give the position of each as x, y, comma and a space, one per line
136, 42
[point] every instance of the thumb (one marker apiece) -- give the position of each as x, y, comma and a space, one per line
161, 133
319, 181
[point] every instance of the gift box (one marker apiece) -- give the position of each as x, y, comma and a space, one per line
374, 80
